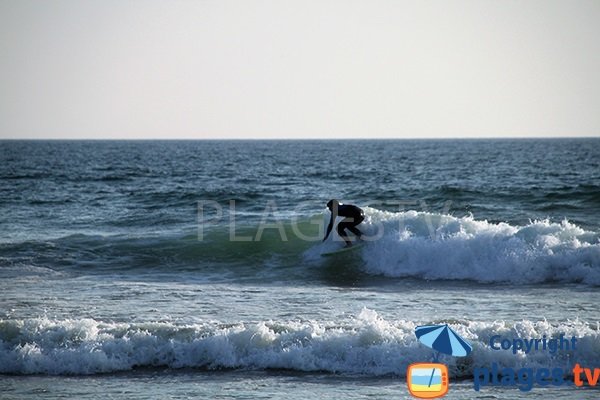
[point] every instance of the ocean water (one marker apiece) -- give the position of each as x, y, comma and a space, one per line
182, 269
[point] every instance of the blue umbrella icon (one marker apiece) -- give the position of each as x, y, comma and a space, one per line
443, 339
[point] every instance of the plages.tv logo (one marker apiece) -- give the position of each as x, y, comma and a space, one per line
526, 378
430, 380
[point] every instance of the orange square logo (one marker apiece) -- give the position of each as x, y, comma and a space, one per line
427, 380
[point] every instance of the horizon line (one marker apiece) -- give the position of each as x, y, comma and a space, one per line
307, 138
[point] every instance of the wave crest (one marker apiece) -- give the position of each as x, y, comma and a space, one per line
366, 344
437, 246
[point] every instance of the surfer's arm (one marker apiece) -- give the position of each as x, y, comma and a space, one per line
329, 227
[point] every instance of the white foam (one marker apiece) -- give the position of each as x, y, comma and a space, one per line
366, 344
436, 246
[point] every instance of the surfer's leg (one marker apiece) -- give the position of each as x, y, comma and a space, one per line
356, 231
352, 227
345, 223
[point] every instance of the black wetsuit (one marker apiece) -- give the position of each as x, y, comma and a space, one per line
353, 216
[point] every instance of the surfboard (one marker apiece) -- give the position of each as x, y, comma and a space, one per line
342, 250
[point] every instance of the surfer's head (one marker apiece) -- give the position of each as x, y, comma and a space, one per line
332, 203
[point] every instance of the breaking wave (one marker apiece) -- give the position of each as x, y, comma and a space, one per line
366, 345
436, 246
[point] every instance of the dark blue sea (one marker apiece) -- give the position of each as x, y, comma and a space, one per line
184, 269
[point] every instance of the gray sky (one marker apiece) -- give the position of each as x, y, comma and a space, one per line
299, 69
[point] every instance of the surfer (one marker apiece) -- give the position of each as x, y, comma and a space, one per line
353, 216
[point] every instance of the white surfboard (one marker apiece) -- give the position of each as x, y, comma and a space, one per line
343, 250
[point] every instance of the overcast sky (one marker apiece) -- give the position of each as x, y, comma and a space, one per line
299, 69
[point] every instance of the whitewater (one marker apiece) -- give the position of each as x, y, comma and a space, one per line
366, 344
436, 246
